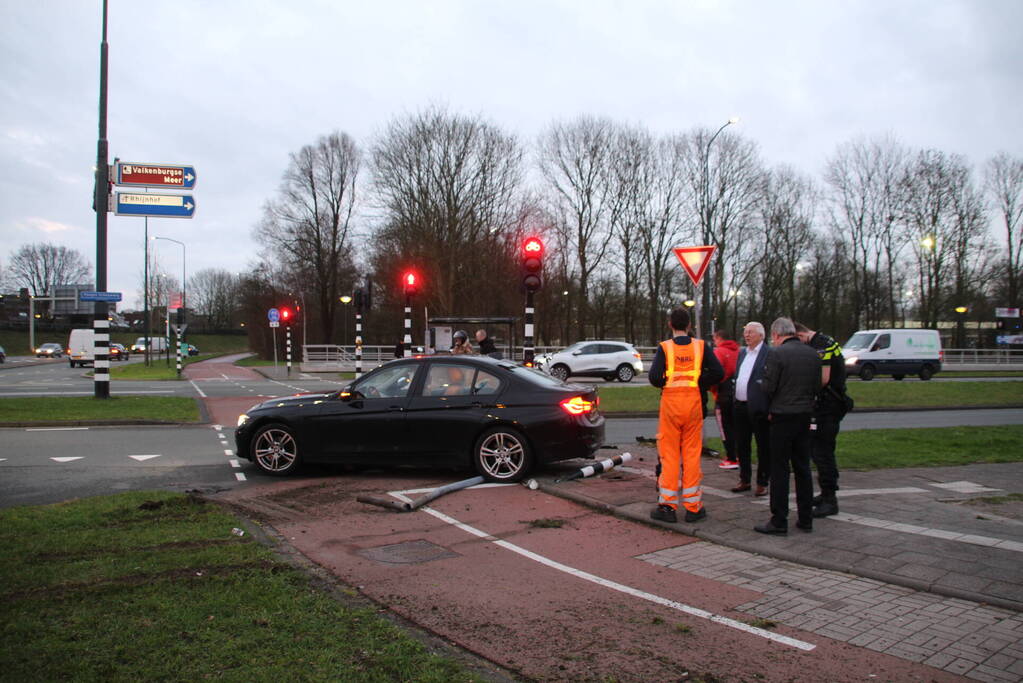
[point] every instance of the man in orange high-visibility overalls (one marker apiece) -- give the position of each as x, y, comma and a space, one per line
681, 368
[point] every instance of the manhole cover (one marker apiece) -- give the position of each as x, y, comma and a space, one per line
410, 552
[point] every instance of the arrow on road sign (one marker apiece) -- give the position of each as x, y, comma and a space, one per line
694, 260
160, 205
154, 175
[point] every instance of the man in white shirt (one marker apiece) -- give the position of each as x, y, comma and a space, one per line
750, 411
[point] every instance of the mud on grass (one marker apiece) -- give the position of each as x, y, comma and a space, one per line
154, 586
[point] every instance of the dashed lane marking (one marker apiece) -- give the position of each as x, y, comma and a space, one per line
964, 487
239, 476
56, 429
613, 585
68, 459
196, 386
142, 458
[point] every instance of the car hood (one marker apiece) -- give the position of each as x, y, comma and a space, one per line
289, 401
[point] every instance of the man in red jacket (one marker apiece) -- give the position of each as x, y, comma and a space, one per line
727, 352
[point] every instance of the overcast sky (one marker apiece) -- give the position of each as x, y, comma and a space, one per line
233, 86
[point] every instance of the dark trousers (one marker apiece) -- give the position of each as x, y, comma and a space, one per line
790, 443
726, 425
822, 451
747, 428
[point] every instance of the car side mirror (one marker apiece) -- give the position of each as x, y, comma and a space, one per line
576, 353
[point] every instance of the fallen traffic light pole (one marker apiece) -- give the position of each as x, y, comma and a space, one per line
597, 468
422, 500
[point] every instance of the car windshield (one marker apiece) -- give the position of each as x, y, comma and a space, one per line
573, 347
859, 341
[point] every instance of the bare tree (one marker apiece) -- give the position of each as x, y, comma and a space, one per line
213, 296
726, 180
865, 177
788, 212
308, 224
1004, 182
42, 266
574, 159
448, 189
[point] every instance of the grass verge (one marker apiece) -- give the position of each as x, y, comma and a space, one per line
154, 586
158, 369
868, 395
52, 409
875, 449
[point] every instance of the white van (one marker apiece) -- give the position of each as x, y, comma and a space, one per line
897, 353
157, 345
80, 347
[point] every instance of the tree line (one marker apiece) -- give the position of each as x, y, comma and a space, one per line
886, 235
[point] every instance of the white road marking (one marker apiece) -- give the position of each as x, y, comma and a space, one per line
218, 427
972, 539
2, 459
56, 429
78, 457
239, 476
228, 452
965, 487
197, 388
142, 458
607, 583
235, 463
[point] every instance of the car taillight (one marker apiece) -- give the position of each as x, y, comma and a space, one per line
578, 405
941, 356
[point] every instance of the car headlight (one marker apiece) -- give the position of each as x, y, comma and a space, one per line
242, 419
851, 360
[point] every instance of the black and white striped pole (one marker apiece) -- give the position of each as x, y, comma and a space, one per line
527, 343
101, 354
598, 467
358, 343
287, 334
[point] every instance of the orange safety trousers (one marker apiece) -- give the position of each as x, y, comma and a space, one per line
680, 427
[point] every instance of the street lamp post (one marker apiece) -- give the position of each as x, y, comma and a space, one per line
345, 299
707, 218
961, 312
181, 309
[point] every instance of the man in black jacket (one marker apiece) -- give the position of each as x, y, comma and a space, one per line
792, 379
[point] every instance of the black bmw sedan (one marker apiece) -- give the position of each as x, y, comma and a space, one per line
467, 411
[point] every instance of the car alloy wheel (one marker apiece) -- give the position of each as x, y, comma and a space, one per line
274, 450
625, 373
560, 372
502, 454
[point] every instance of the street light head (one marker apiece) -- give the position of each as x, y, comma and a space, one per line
961, 309
927, 242
734, 119
689, 303
345, 299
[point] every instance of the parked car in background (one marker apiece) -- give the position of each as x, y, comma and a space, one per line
612, 360
50, 350
193, 350
3, 355
895, 352
465, 411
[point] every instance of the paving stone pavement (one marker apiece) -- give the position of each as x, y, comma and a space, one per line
908, 566
959, 636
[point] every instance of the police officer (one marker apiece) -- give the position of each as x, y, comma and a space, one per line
681, 368
827, 416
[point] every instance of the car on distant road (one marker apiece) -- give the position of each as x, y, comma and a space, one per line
612, 360
118, 352
3, 355
50, 350
493, 416
193, 350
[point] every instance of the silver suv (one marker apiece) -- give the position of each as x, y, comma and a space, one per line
612, 360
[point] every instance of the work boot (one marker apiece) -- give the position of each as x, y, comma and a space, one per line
664, 513
827, 507
695, 516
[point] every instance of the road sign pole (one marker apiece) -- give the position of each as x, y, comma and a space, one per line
358, 343
407, 341
100, 324
527, 342
288, 346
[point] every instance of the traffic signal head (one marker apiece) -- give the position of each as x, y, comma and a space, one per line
531, 264
410, 282
286, 315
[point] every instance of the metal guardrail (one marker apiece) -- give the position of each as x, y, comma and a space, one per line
985, 356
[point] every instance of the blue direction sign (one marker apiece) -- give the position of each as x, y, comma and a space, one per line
273, 315
166, 176
162, 205
99, 296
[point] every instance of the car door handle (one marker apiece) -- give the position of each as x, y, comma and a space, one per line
398, 408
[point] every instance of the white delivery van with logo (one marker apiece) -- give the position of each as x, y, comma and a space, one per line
156, 345
896, 352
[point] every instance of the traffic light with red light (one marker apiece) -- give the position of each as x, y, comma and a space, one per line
531, 264
410, 281
286, 315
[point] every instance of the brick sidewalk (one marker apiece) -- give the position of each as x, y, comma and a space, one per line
906, 568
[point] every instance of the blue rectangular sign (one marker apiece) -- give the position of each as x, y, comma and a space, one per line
162, 205
99, 296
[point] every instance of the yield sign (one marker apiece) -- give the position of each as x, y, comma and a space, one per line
694, 260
